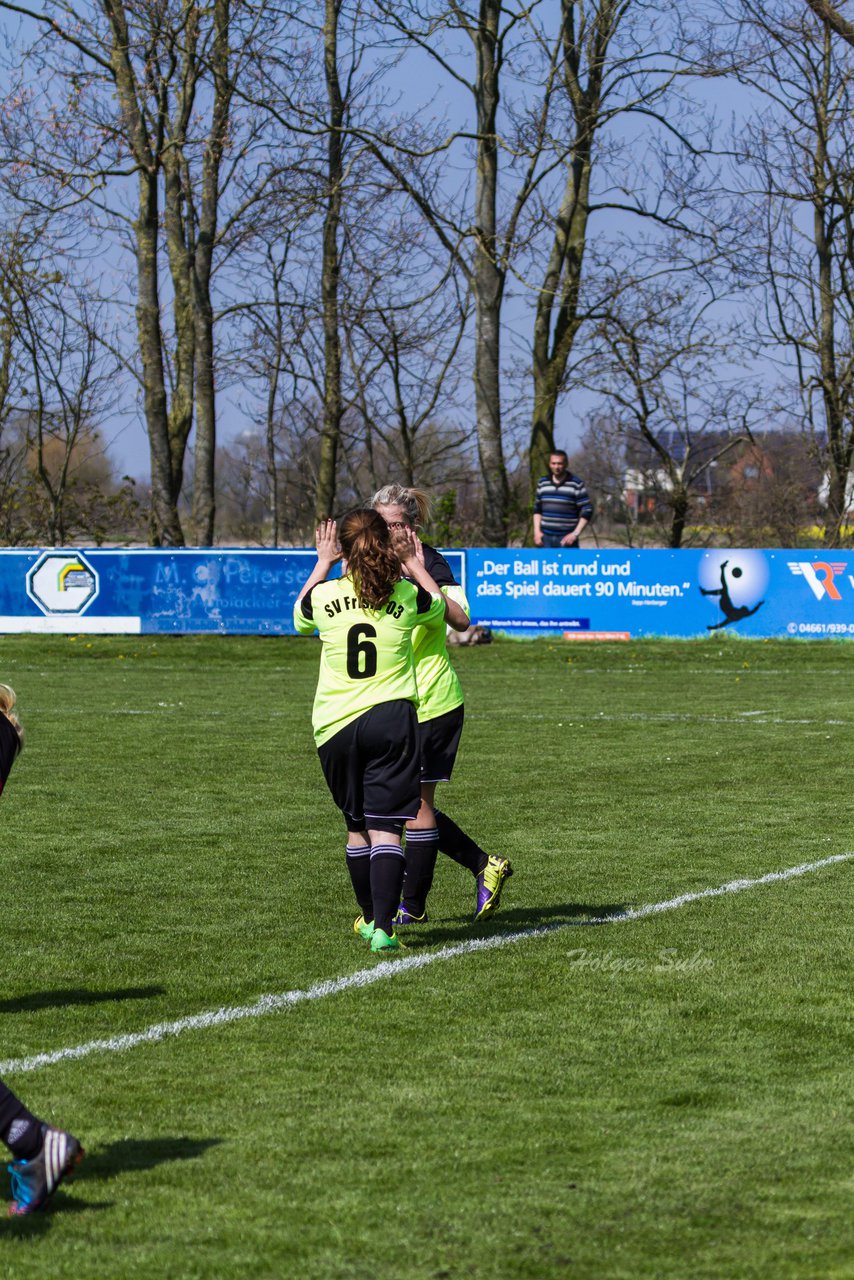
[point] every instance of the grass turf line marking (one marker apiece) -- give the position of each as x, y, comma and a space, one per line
658, 717
388, 969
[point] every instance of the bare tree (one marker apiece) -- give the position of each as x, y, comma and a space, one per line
268, 360
331, 264
56, 373
402, 346
273, 329
144, 94
678, 414
546, 85
472, 236
610, 93
797, 176
833, 19
321, 200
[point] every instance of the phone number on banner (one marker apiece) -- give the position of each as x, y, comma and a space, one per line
820, 628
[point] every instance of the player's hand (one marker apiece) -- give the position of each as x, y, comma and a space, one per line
407, 546
326, 541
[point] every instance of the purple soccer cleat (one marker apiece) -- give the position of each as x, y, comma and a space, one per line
404, 916
490, 882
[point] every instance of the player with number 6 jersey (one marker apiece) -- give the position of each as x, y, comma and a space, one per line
364, 717
367, 654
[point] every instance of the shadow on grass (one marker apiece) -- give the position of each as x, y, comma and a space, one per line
38, 1224
131, 1155
509, 920
76, 995
558, 913
126, 1155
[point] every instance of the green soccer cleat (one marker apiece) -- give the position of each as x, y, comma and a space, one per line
380, 941
490, 882
364, 928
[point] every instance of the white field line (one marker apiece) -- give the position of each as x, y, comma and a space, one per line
663, 717
635, 668
386, 969
652, 717
645, 717
657, 717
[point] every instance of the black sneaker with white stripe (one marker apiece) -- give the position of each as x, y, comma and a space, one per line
34, 1181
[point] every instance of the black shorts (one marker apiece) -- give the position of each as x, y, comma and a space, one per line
371, 767
439, 740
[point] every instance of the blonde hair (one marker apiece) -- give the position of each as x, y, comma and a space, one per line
414, 503
8, 698
372, 564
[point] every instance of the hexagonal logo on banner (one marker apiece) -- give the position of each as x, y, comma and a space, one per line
62, 582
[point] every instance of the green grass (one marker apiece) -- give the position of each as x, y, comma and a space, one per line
570, 1105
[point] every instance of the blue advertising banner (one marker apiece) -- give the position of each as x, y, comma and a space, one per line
154, 592
618, 595
585, 594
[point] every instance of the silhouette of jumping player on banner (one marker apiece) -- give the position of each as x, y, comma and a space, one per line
732, 613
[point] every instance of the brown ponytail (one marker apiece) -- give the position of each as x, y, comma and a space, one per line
373, 566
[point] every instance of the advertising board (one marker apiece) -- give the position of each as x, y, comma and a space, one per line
624, 594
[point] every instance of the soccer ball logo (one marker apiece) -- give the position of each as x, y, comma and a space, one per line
737, 579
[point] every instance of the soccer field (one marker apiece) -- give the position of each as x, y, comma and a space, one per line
662, 1093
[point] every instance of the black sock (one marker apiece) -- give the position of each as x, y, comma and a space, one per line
454, 842
19, 1128
387, 868
422, 846
359, 866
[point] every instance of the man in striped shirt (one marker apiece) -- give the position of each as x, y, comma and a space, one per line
562, 507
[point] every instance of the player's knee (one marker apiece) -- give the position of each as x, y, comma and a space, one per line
393, 826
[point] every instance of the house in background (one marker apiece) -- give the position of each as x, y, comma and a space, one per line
646, 483
763, 490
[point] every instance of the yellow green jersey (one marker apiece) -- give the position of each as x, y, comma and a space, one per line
367, 655
439, 688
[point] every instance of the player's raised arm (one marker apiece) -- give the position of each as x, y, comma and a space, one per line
328, 554
407, 544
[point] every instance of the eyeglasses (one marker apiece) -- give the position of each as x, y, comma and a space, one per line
397, 524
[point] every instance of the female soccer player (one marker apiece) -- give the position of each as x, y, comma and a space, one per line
364, 719
440, 726
43, 1156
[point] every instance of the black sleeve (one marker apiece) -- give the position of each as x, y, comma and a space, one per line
423, 599
10, 745
438, 568
306, 606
